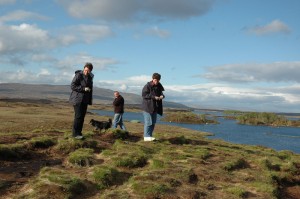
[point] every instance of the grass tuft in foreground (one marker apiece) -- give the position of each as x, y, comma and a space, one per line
81, 157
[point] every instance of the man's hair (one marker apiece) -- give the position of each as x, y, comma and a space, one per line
89, 66
156, 76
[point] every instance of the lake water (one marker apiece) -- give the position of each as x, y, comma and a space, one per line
278, 138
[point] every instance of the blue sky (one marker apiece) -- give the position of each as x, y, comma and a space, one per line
228, 54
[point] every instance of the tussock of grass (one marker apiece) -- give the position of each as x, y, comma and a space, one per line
179, 140
237, 191
55, 183
70, 144
104, 176
157, 164
205, 154
153, 190
81, 157
120, 134
265, 188
42, 142
132, 160
268, 164
285, 155
14, 151
187, 176
239, 163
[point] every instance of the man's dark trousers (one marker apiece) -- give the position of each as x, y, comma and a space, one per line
80, 111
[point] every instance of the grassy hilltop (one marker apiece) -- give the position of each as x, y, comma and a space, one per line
39, 159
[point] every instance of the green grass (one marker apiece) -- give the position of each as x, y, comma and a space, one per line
187, 117
235, 164
104, 176
238, 192
120, 134
81, 157
69, 144
131, 161
181, 164
157, 164
55, 183
152, 190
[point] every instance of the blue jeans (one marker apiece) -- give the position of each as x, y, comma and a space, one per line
118, 120
149, 123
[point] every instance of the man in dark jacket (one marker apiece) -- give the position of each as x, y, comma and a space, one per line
119, 110
81, 96
152, 94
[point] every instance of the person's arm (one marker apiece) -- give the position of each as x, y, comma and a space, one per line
75, 85
117, 101
161, 96
146, 93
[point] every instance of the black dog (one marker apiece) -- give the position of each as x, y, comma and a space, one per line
99, 125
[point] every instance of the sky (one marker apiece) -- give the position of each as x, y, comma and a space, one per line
222, 54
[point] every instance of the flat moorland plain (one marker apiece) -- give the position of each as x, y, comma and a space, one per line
40, 159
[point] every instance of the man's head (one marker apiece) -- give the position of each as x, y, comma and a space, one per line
156, 78
87, 69
116, 94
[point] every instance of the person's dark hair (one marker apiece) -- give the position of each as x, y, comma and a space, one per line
156, 76
89, 66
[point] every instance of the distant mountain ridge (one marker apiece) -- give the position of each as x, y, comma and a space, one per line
62, 92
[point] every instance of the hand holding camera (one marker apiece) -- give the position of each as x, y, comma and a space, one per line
87, 89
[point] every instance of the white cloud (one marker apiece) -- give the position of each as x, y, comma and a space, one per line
77, 61
275, 26
155, 31
129, 10
44, 71
26, 42
231, 97
86, 33
19, 15
43, 76
139, 79
132, 84
218, 96
269, 72
24, 38
40, 57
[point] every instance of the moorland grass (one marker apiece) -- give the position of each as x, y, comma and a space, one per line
105, 176
182, 163
120, 134
14, 151
55, 183
239, 192
82, 157
70, 144
187, 117
42, 142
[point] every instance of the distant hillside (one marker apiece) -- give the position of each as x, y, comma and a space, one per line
62, 92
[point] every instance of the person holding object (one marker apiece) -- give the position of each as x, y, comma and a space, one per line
81, 96
118, 104
152, 105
